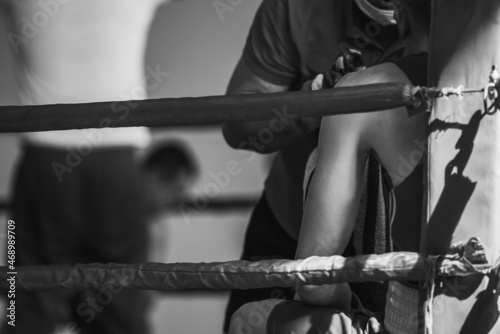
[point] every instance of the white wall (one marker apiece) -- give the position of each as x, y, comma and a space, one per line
199, 49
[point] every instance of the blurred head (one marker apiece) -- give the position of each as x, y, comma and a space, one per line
170, 171
413, 18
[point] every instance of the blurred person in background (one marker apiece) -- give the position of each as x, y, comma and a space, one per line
170, 171
79, 195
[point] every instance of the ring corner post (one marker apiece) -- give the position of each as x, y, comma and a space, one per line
463, 184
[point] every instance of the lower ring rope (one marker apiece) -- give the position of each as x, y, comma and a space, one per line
250, 275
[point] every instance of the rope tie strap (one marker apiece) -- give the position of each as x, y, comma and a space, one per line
490, 93
427, 94
465, 259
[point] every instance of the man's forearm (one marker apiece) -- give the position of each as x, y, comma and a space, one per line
268, 136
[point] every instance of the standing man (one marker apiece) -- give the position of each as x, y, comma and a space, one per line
78, 195
290, 42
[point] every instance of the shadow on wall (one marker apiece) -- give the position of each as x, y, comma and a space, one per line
456, 194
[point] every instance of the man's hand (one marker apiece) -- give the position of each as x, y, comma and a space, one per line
351, 61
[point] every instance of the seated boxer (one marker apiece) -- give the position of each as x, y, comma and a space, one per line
397, 139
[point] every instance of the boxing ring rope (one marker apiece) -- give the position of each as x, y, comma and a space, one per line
467, 260
206, 110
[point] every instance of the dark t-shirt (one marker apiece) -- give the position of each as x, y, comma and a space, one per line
290, 42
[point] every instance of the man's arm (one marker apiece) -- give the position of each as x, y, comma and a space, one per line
332, 202
238, 135
270, 63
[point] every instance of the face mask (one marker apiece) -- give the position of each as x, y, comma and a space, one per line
383, 16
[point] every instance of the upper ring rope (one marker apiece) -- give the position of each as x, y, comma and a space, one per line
235, 108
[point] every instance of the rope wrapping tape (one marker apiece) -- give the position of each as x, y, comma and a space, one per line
205, 110
235, 274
